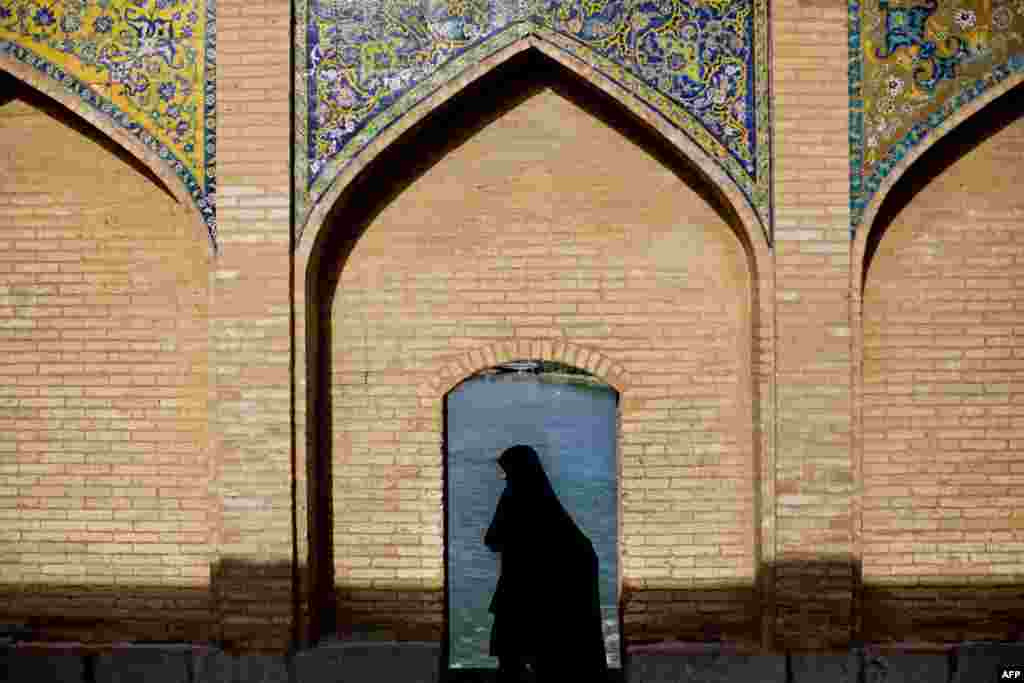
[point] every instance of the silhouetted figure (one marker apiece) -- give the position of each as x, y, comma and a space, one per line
546, 606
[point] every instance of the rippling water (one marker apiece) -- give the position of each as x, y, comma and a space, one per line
572, 428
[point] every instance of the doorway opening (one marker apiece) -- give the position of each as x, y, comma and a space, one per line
570, 418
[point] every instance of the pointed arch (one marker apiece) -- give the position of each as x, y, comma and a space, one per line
119, 135
949, 143
382, 172
539, 41
114, 280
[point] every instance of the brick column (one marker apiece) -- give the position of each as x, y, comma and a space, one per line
250, 325
813, 586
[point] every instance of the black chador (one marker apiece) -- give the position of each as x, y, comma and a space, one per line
546, 606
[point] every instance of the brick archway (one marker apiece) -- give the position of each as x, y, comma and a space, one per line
321, 256
125, 315
972, 125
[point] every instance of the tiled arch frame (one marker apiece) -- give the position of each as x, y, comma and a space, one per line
858, 256
122, 137
543, 41
860, 241
759, 354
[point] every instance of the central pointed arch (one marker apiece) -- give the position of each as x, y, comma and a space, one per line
390, 165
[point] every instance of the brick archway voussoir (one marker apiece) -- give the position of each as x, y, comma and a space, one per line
457, 368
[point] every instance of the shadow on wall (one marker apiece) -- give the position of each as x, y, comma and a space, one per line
248, 607
812, 602
9, 86
811, 597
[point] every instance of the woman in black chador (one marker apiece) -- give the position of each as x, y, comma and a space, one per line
546, 606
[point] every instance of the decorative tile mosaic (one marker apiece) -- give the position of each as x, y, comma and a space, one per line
912, 67
148, 66
700, 64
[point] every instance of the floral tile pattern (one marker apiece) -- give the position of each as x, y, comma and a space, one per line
913, 65
700, 64
146, 65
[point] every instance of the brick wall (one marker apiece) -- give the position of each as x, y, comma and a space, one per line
548, 224
943, 396
104, 465
146, 434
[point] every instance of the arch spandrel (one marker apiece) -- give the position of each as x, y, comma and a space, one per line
918, 69
700, 69
143, 72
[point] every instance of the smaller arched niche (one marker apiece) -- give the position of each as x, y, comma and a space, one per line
569, 417
105, 338
939, 383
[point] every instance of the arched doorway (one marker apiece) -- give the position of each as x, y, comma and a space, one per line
570, 417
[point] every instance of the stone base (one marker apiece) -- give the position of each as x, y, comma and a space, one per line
356, 662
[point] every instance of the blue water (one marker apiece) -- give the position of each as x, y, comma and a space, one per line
572, 428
